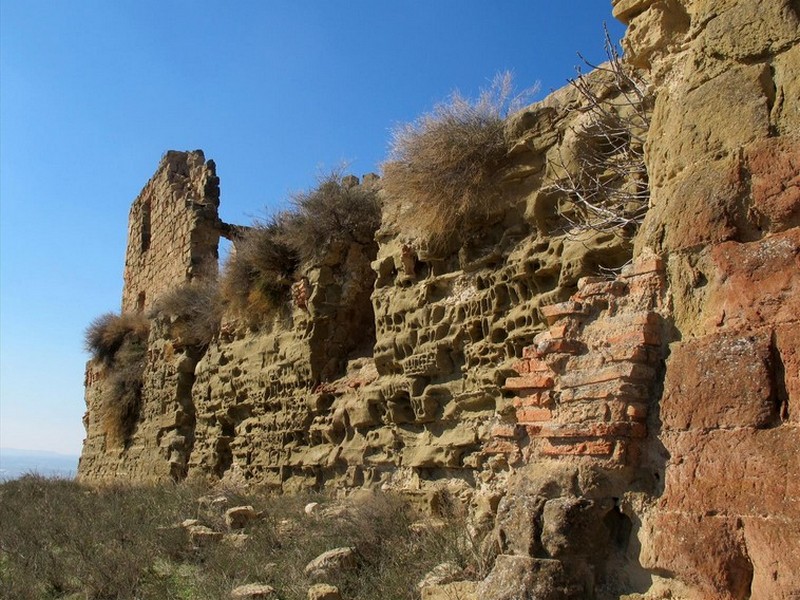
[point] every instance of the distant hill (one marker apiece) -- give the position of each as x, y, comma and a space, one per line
15, 463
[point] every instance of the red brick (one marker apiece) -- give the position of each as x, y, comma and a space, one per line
593, 430
500, 446
624, 371
646, 336
603, 287
536, 365
587, 448
615, 389
646, 355
522, 367
633, 320
532, 399
564, 347
529, 382
583, 282
554, 312
505, 430
558, 331
533, 415
643, 266
530, 352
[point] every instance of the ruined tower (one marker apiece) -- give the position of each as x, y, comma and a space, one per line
173, 229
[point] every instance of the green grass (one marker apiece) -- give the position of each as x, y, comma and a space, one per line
61, 539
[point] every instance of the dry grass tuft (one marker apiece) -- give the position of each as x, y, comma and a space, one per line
122, 393
195, 310
336, 210
106, 334
120, 343
260, 270
445, 164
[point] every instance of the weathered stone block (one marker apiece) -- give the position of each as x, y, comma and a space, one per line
754, 284
574, 527
734, 472
516, 577
720, 381
709, 552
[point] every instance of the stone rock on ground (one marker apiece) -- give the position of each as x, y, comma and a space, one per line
456, 590
324, 591
331, 562
203, 536
253, 590
239, 517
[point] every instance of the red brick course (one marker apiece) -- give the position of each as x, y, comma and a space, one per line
584, 386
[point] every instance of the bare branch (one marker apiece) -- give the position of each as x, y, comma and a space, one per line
607, 180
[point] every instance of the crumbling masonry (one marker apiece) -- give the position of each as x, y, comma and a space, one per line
173, 229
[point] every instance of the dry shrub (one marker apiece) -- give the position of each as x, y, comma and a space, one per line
195, 309
337, 210
122, 391
266, 257
106, 334
120, 343
260, 270
445, 164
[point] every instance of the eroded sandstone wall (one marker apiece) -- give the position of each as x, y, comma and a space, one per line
633, 434
388, 363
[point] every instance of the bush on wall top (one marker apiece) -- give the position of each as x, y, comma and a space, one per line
337, 210
267, 256
445, 164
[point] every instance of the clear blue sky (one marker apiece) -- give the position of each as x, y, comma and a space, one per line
92, 93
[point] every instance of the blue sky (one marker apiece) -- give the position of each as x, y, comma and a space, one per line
92, 93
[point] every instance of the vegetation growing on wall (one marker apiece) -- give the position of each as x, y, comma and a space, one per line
119, 344
445, 165
259, 271
194, 311
338, 210
606, 178
266, 258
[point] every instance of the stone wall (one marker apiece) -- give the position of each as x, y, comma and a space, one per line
724, 162
173, 229
162, 441
628, 435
